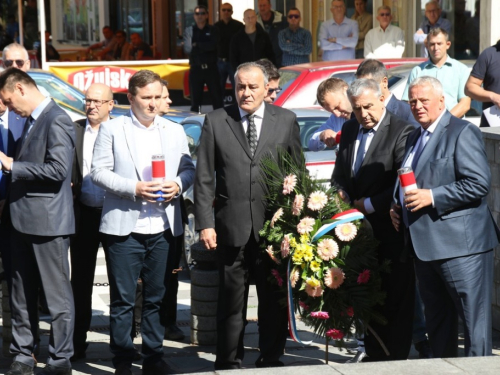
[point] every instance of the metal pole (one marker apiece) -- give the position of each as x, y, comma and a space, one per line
41, 28
20, 17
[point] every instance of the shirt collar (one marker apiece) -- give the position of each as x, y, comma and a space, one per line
433, 126
38, 110
259, 112
388, 99
89, 128
343, 21
430, 63
136, 122
5, 115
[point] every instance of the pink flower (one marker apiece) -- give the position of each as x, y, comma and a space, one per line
327, 249
320, 315
346, 232
334, 278
276, 217
305, 225
335, 334
294, 277
350, 311
317, 200
289, 183
303, 305
285, 246
270, 251
364, 277
298, 203
314, 292
277, 276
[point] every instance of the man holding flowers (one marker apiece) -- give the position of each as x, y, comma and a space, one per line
371, 150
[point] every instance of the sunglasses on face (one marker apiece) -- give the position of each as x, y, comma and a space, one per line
293, 16
199, 13
19, 63
384, 14
276, 90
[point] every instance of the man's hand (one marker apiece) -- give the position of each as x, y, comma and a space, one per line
6, 162
146, 189
395, 214
359, 204
332, 40
328, 137
417, 199
170, 189
343, 195
208, 238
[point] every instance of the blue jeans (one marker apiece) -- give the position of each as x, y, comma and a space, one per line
131, 257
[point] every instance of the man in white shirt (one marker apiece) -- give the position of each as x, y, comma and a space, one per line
88, 203
386, 40
139, 228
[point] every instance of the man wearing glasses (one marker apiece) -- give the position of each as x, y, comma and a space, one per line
88, 201
432, 20
227, 27
16, 55
273, 84
200, 43
295, 41
386, 40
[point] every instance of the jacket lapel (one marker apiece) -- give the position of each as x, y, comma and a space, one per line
35, 126
129, 137
80, 133
378, 136
234, 121
268, 126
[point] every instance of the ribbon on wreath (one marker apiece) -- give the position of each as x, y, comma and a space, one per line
341, 218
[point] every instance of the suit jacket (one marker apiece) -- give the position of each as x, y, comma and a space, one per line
41, 202
242, 49
454, 165
402, 110
77, 170
376, 176
114, 169
237, 187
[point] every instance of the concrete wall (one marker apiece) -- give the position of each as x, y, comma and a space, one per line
491, 138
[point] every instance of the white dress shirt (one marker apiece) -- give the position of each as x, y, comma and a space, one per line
259, 117
91, 194
384, 44
4, 128
152, 218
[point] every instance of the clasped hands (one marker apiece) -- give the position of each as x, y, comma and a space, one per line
328, 137
148, 189
414, 200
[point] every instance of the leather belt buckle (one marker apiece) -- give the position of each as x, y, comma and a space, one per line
204, 66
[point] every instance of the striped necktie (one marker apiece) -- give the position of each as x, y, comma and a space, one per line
252, 134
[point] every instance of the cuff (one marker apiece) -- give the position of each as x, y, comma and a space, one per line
368, 206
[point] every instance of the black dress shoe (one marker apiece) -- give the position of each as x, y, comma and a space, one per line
174, 333
358, 358
80, 354
424, 349
56, 370
123, 369
18, 368
264, 364
157, 368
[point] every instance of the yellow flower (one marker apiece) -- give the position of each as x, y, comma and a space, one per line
312, 282
304, 238
308, 254
293, 242
314, 266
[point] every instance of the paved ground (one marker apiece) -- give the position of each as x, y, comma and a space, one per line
186, 358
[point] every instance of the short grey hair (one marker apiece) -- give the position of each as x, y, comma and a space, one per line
426, 80
358, 86
14, 46
249, 65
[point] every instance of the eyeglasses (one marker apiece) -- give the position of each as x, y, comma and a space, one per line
97, 103
19, 63
384, 14
293, 16
199, 13
226, 10
277, 90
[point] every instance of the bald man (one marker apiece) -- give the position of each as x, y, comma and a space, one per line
88, 201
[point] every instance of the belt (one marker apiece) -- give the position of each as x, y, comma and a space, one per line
90, 208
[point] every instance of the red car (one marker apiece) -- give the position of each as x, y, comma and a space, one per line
300, 82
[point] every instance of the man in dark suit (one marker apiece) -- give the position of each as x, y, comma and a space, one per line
88, 203
240, 212
370, 152
40, 205
449, 226
11, 127
375, 69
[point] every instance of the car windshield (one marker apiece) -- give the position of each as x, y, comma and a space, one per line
308, 126
393, 80
286, 79
60, 90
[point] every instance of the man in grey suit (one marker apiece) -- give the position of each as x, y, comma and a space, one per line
240, 209
41, 212
448, 224
88, 203
139, 229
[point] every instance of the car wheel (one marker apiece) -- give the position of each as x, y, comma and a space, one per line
190, 238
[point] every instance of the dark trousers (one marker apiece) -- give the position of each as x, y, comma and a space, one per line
398, 309
84, 248
5, 249
45, 258
198, 77
457, 287
236, 267
128, 258
169, 302
226, 70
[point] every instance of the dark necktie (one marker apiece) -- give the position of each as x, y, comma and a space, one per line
27, 127
252, 134
361, 149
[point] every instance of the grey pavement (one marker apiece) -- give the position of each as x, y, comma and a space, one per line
186, 358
